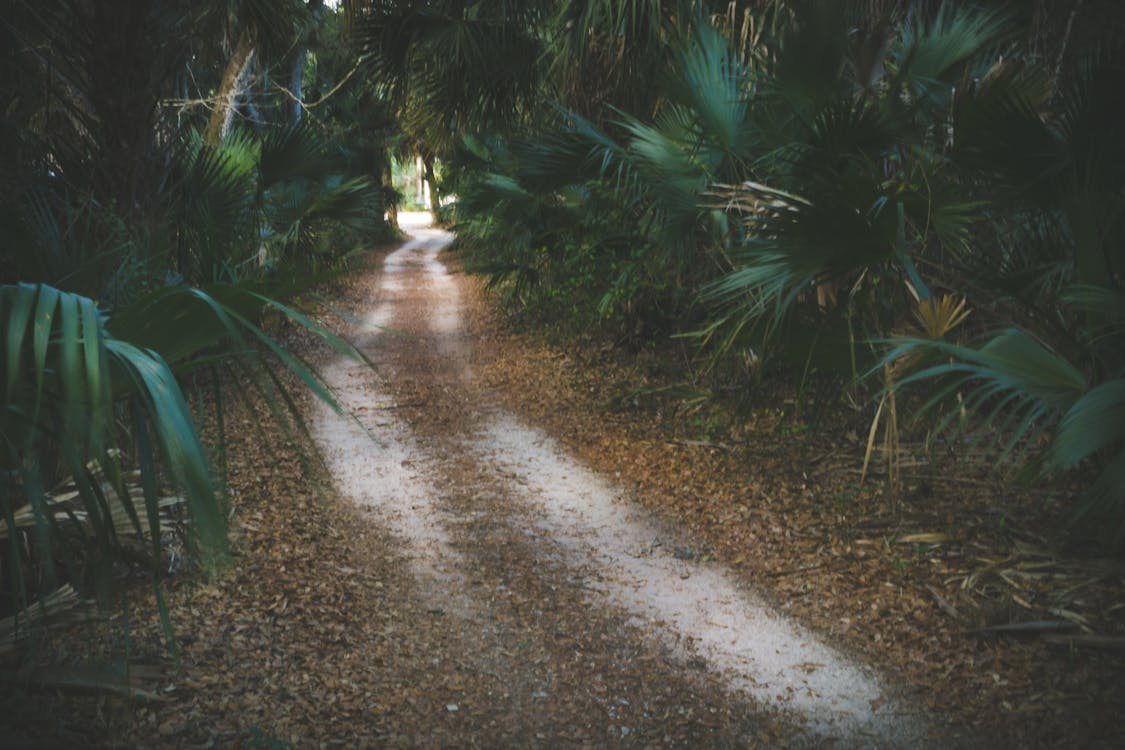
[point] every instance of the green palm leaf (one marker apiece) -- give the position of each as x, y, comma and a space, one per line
714, 84
1027, 392
1093, 424
292, 151
63, 371
929, 55
1010, 361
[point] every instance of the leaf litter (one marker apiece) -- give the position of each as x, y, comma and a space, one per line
329, 632
902, 582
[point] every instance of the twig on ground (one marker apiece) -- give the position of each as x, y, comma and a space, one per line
943, 603
701, 444
1090, 641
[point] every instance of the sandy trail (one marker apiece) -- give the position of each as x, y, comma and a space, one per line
580, 530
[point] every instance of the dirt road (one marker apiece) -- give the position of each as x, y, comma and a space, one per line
591, 622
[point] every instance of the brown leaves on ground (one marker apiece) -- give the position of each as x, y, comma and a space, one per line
908, 584
320, 636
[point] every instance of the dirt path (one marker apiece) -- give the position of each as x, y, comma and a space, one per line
596, 623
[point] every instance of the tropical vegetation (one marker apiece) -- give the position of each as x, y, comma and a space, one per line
861, 195
172, 172
915, 206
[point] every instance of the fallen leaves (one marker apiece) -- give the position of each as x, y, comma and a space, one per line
787, 511
321, 636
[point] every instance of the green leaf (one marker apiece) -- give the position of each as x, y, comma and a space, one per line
1095, 423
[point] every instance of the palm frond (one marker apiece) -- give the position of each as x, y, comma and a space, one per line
272, 24
1093, 424
935, 317
212, 194
63, 372
57, 609
998, 130
715, 87
1105, 309
292, 151
182, 323
929, 55
1011, 361
354, 204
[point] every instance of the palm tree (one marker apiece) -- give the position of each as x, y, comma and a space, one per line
268, 28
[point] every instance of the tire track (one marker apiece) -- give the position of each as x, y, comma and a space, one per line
469, 475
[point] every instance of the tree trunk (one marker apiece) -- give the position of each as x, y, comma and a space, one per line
296, 81
431, 183
388, 189
233, 84
297, 63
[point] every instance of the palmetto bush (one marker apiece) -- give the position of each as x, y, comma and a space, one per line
783, 181
253, 202
67, 383
92, 370
135, 252
850, 187
609, 214
101, 456
566, 252
1047, 387
961, 172
809, 175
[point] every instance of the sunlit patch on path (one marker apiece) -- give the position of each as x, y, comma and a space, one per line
371, 454
697, 604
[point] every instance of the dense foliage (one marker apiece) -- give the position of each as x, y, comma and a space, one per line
169, 171
868, 194
872, 195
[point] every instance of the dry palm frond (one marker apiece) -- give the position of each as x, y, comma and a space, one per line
65, 508
934, 318
937, 317
886, 411
135, 682
1074, 591
751, 197
61, 607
